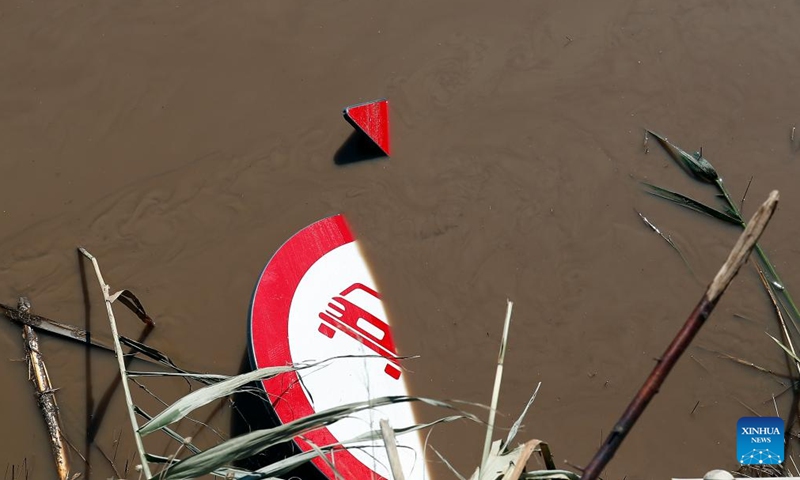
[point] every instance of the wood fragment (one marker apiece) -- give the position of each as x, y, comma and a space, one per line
45, 395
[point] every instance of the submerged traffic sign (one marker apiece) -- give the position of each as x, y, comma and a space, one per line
317, 300
371, 118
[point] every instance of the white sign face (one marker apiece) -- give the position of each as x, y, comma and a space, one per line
336, 298
317, 300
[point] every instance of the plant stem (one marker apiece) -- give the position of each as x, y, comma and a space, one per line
497, 381
734, 208
121, 361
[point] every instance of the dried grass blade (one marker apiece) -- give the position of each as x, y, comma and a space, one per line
448, 465
127, 298
171, 433
120, 360
206, 395
498, 378
286, 465
251, 443
550, 475
200, 377
515, 427
666, 238
751, 365
785, 349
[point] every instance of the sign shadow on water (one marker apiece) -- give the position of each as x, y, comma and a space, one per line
252, 411
357, 148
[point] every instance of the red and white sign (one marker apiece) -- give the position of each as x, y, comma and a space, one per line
315, 300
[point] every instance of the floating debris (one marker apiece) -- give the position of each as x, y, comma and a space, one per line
741, 204
666, 238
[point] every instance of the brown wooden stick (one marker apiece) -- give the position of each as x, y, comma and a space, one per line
45, 394
684, 337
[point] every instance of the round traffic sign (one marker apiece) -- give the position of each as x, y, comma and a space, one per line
317, 300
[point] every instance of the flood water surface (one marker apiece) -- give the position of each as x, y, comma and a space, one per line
183, 143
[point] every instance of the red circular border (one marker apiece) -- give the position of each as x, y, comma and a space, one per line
269, 334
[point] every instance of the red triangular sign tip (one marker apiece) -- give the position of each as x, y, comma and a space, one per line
372, 118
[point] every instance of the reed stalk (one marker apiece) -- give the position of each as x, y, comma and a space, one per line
498, 379
121, 363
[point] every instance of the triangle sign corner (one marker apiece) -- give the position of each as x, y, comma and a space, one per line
372, 119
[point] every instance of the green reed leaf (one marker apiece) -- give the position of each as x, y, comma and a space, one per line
691, 204
696, 165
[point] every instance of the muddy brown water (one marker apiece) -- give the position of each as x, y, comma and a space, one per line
183, 142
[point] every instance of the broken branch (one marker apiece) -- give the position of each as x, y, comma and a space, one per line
45, 395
